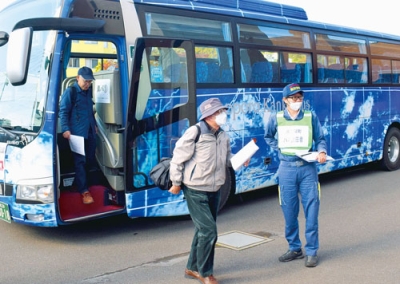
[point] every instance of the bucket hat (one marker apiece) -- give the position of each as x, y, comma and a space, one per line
210, 106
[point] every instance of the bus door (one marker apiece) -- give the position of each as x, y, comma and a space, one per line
162, 105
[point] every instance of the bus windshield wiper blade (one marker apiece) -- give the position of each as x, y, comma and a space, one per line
9, 133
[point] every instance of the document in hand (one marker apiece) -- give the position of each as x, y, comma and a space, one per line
311, 156
77, 144
244, 154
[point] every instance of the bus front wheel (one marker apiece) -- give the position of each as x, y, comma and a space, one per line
391, 150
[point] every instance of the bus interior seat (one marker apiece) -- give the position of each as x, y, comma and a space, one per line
321, 73
201, 71
395, 77
246, 72
226, 75
213, 75
109, 151
245, 66
275, 72
335, 73
306, 73
386, 74
376, 73
290, 72
261, 72
353, 74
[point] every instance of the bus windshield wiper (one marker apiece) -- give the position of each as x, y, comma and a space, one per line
9, 133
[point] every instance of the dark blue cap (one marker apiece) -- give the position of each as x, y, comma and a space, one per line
291, 89
86, 73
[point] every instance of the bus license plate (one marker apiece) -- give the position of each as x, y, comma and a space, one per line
5, 212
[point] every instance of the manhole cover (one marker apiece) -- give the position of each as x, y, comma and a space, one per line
237, 240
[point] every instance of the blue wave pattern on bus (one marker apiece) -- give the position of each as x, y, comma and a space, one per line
249, 111
36, 161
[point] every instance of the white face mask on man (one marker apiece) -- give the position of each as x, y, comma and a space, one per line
221, 118
295, 106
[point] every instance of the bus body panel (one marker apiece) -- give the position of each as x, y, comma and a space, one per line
37, 163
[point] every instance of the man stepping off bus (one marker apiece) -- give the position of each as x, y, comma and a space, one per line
77, 118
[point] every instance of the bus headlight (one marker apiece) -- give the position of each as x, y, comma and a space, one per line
39, 192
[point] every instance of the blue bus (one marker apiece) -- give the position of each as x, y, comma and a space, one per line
155, 62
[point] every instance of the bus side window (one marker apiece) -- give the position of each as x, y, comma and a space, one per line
170, 65
245, 66
334, 73
356, 70
381, 71
214, 64
395, 72
261, 68
225, 56
290, 72
296, 67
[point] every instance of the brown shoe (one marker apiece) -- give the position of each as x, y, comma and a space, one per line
191, 274
209, 280
87, 198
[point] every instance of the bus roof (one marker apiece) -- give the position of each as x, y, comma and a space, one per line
243, 8
262, 10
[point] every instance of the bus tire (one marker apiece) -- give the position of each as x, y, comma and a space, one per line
391, 150
226, 189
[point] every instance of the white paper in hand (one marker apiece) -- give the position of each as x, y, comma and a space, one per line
244, 154
77, 144
311, 156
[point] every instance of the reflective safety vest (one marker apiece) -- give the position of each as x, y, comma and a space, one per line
294, 135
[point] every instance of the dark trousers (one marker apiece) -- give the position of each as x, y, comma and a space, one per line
203, 209
83, 164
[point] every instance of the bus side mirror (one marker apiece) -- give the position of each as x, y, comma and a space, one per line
3, 38
18, 55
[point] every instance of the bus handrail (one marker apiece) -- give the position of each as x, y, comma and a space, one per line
102, 133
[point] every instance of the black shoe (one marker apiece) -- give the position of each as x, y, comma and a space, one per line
291, 255
311, 261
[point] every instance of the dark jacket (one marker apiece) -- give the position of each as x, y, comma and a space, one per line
76, 112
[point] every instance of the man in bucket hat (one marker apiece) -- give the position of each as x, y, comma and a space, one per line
297, 131
200, 172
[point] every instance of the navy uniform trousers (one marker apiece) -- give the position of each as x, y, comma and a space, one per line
300, 178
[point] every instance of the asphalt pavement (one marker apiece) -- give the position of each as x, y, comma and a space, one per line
359, 240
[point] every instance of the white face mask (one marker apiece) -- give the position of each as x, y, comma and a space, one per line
220, 119
295, 106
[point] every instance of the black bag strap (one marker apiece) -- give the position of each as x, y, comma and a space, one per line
73, 95
198, 133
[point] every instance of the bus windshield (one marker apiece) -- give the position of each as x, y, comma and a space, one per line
22, 107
